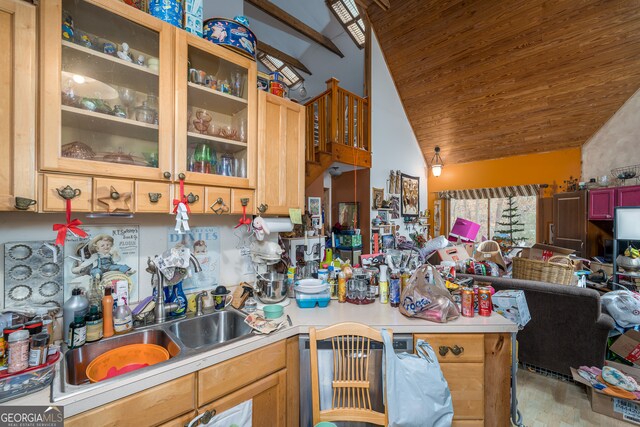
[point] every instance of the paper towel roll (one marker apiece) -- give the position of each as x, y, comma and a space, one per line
278, 225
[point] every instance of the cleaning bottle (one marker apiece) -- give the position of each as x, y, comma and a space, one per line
94, 324
178, 296
107, 313
384, 285
77, 305
77, 332
122, 317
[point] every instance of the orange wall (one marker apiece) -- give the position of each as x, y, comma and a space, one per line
551, 168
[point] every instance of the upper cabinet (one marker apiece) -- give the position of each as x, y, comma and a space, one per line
216, 114
281, 127
601, 204
628, 196
17, 105
107, 104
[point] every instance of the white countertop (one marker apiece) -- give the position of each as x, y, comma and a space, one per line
376, 315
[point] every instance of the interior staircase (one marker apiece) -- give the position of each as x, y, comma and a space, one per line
329, 139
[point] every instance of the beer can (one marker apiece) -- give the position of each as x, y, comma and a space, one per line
484, 302
467, 298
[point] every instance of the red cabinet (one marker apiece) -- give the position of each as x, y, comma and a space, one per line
601, 204
628, 196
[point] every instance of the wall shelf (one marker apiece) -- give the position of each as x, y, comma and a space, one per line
98, 122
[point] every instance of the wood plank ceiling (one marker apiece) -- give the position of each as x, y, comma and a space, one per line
486, 79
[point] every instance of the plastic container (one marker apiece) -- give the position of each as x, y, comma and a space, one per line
122, 318
28, 381
18, 351
311, 300
107, 312
77, 305
77, 333
125, 359
273, 311
47, 321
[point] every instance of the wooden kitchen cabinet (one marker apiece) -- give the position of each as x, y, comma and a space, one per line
281, 126
53, 202
151, 197
238, 197
18, 102
570, 221
601, 204
113, 195
195, 193
628, 196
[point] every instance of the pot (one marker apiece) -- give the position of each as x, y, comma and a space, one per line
271, 287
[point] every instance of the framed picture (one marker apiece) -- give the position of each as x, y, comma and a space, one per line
315, 223
385, 229
377, 197
409, 196
348, 214
394, 204
314, 205
388, 241
384, 216
437, 209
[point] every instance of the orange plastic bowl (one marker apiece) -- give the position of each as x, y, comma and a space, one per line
125, 359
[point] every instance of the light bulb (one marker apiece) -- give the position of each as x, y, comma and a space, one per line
436, 169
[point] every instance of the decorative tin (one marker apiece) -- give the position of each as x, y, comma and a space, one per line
193, 17
231, 34
168, 10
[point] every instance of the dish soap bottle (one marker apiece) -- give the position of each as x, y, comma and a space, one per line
122, 317
250, 305
107, 310
94, 324
178, 296
77, 333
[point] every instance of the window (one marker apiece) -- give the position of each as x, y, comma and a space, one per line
289, 76
488, 213
348, 15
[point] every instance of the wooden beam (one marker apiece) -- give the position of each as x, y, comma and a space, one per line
288, 59
296, 24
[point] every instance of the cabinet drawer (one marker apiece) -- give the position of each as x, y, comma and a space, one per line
467, 423
102, 200
225, 377
148, 191
197, 207
149, 407
236, 201
466, 382
51, 200
182, 420
217, 200
473, 345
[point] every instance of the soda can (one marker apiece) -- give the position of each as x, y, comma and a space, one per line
467, 297
484, 302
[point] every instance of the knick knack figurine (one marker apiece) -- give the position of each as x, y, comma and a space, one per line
398, 181
124, 53
392, 182
140, 60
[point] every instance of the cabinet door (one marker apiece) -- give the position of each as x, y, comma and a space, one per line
269, 397
570, 221
17, 103
629, 196
106, 100
215, 132
280, 153
601, 204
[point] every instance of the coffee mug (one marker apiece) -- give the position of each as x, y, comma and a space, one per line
23, 203
220, 302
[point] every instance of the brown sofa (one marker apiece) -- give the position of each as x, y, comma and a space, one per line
567, 328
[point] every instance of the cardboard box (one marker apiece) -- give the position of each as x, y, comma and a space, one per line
465, 230
512, 304
450, 253
193, 24
627, 346
542, 252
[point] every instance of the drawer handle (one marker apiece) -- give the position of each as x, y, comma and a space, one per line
244, 201
457, 351
192, 198
114, 194
154, 197
220, 210
263, 208
24, 203
203, 418
68, 193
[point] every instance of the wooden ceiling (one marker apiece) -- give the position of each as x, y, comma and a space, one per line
493, 78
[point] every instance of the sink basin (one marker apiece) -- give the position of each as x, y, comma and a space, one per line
78, 359
211, 330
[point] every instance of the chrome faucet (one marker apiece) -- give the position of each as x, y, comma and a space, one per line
199, 303
197, 268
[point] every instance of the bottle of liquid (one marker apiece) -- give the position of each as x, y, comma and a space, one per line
94, 324
122, 317
179, 298
77, 333
383, 285
333, 282
107, 310
342, 287
77, 305
42, 313
394, 289
250, 305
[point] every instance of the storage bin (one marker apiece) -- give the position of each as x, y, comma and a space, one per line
28, 381
310, 300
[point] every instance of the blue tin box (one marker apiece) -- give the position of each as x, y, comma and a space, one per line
168, 10
231, 34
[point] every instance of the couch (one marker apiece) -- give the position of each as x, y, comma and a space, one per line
567, 328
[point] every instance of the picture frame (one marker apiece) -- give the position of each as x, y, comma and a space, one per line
377, 197
315, 223
349, 214
314, 205
384, 215
409, 196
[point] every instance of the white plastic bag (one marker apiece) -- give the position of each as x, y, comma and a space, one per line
623, 306
240, 415
416, 393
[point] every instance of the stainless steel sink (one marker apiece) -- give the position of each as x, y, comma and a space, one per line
77, 360
211, 330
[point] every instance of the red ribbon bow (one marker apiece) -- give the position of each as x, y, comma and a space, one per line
182, 199
72, 226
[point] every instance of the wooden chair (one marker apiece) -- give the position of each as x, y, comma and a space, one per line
350, 400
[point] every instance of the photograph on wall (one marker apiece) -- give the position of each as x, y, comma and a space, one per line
377, 196
314, 206
410, 195
348, 214
384, 216
394, 205
437, 207
204, 243
109, 254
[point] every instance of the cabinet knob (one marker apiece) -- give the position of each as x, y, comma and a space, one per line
114, 194
167, 175
68, 193
222, 208
181, 176
23, 203
154, 197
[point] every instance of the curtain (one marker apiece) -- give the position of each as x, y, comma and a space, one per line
491, 193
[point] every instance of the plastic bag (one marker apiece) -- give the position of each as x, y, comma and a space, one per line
623, 306
427, 301
416, 392
239, 415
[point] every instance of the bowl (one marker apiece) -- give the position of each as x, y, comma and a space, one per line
273, 311
271, 288
628, 263
125, 359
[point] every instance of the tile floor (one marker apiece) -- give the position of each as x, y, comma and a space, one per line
548, 402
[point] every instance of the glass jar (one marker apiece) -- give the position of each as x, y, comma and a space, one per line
18, 351
225, 166
145, 114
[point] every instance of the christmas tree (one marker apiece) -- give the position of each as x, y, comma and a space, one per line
511, 221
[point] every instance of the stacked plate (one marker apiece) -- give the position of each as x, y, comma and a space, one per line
310, 286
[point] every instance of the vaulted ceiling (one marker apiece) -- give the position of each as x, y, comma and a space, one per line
493, 78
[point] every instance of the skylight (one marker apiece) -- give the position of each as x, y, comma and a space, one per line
348, 15
289, 76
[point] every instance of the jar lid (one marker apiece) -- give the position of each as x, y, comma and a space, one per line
20, 335
40, 339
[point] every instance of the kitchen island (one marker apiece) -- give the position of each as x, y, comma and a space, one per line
215, 378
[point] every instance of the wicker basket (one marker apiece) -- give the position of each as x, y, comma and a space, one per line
559, 269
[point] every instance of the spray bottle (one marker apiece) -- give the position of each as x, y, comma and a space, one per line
384, 285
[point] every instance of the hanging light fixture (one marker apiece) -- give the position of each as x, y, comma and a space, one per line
436, 163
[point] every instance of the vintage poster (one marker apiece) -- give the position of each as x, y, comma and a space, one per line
204, 243
109, 253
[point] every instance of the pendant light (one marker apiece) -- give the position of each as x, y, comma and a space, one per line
436, 163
